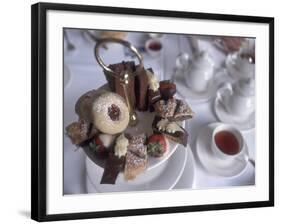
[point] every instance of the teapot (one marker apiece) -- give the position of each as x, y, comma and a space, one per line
240, 100
198, 71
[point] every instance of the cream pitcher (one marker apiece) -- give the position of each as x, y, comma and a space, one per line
198, 70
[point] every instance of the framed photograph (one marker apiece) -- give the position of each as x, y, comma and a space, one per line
139, 111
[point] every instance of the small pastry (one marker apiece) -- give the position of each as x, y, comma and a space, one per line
110, 113
153, 97
134, 165
137, 145
136, 157
83, 106
157, 145
167, 89
80, 131
171, 130
165, 109
183, 111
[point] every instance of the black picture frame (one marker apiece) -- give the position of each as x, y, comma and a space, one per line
39, 122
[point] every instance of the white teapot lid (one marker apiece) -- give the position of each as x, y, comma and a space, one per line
246, 86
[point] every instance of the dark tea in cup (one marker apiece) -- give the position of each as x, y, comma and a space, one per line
227, 142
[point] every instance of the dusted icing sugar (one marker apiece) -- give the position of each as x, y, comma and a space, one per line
110, 113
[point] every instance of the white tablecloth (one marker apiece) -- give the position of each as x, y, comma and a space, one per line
86, 74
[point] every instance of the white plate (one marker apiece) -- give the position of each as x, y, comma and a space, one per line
187, 178
192, 96
164, 177
242, 123
220, 167
232, 70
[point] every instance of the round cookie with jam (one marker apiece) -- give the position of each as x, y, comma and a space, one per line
110, 113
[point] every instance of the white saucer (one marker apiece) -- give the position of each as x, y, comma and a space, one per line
187, 178
232, 69
164, 177
242, 123
216, 166
192, 96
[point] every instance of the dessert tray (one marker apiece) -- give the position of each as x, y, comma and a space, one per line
130, 127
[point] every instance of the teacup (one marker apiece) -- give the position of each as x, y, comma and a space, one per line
154, 47
240, 100
245, 63
227, 142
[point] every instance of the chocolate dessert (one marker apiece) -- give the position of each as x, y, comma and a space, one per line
134, 165
141, 88
165, 109
183, 111
136, 157
114, 165
115, 85
167, 89
179, 134
136, 145
153, 97
80, 131
83, 106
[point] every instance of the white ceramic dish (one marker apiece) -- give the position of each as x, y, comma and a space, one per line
242, 123
196, 97
164, 177
232, 70
187, 178
214, 165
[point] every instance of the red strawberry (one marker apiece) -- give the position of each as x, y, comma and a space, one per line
96, 145
157, 145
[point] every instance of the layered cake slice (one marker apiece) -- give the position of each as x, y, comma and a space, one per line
134, 165
141, 88
136, 145
165, 109
115, 84
136, 157
183, 111
171, 130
